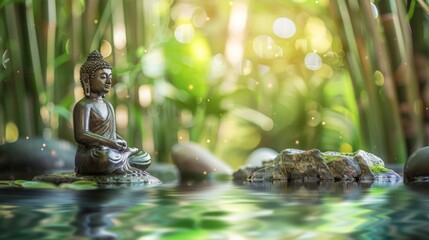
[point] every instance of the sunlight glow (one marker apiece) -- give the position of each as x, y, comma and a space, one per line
236, 27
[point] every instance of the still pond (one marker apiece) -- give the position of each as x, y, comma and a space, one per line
221, 210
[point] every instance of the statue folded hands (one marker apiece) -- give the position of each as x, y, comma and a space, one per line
100, 149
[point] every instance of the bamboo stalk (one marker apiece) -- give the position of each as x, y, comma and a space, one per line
16, 79
34, 50
389, 112
101, 26
364, 91
400, 47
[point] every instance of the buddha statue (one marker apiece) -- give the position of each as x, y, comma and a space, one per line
100, 150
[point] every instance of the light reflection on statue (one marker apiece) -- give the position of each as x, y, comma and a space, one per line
100, 150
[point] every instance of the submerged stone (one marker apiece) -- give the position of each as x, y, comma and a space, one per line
313, 165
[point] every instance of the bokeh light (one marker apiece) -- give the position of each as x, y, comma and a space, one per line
313, 61
122, 116
12, 133
265, 47
313, 118
244, 68
105, 48
200, 18
153, 63
184, 33
319, 36
119, 36
145, 95
218, 66
182, 11
284, 27
121, 91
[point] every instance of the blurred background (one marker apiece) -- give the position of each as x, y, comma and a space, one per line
231, 75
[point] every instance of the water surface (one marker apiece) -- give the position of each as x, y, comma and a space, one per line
223, 210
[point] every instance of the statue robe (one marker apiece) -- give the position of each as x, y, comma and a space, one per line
91, 159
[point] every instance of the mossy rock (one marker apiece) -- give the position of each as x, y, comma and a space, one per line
313, 165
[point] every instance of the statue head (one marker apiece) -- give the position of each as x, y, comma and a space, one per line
94, 62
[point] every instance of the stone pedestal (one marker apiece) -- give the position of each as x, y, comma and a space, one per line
101, 180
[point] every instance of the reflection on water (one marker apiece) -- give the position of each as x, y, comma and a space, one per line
219, 211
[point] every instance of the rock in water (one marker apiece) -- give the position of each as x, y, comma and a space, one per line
27, 158
417, 166
196, 162
313, 165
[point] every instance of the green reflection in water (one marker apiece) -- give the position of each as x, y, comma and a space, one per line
218, 211
231, 212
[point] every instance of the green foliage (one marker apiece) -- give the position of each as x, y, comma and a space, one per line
210, 81
188, 65
378, 169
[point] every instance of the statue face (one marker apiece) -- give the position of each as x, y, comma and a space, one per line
102, 81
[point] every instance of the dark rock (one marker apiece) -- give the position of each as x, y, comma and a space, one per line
312, 165
27, 158
417, 166
196, 162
